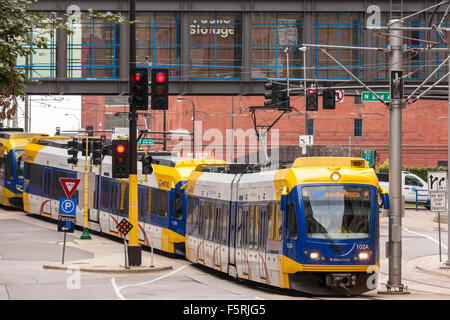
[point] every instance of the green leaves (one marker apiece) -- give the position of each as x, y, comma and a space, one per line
22, 34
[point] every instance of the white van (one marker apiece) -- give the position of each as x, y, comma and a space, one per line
411, 184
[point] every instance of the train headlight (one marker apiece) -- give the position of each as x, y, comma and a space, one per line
314, 255
335, 176
363, 255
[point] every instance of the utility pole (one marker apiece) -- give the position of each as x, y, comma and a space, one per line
447, 263
394, 248
134, 248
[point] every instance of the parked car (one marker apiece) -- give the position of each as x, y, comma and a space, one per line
411, 184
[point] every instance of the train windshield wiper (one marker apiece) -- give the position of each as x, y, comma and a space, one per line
324, 232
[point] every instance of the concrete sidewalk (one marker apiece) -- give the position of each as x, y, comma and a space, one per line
109, 257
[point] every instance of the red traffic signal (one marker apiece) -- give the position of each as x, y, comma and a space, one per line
160, 77
159, 89
139, 89
120, 159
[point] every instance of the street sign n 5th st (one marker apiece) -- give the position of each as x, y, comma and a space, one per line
367, 96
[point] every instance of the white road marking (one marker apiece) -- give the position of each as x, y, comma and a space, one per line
117, 288
425, 236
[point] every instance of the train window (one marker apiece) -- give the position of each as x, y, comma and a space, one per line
293, 231
27, 172
224, 223
210, 221
270, 216
201, 223
239, 226
20, 168
37, 176
178, 209
279, 222
163, 203
217, 225
190, 209
123, 199
9, 174
105, 195
151, 201
196, 212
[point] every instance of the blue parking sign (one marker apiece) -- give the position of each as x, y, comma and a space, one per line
67, 207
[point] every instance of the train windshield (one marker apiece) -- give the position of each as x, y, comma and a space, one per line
19, 163
337, 212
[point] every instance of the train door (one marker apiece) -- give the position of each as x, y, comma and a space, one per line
46, 191
201, 233
242, 262
142, 216
253, 244
262, 242
208, 244
217, 239
232, 235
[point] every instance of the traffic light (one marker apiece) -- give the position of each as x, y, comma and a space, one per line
283, 99
312, 99
160, 89
271, 95
83, 147
147, 162
329, 97
120, 159
139, 89
97, 147
72, 150
90, 131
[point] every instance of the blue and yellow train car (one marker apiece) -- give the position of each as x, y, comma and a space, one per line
313, 227
161, 196
12, 146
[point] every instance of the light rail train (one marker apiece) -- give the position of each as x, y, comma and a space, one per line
313, 227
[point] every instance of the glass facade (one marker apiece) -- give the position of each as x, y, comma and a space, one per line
216, 45
272, 33
158, 41
93, 50
339, 29
413, 63
42, 64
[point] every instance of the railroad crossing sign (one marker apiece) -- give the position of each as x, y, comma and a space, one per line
339, 96
437, 180
124, 226
69, 185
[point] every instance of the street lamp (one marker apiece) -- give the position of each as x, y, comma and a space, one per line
193, 124
78, 120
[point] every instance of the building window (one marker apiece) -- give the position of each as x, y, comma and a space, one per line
216, 45
357, 127
93, 50
310, 127
272, 33
341, 29
42, 64
158, 41
413, 61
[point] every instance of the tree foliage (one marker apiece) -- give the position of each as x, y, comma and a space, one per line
17, 40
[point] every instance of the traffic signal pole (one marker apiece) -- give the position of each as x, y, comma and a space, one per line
85, 235
394, 246
134, 248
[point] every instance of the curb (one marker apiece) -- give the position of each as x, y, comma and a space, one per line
131, 270
434, 273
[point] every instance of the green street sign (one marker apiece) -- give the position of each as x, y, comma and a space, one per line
367, 96
369, 155
146, 141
